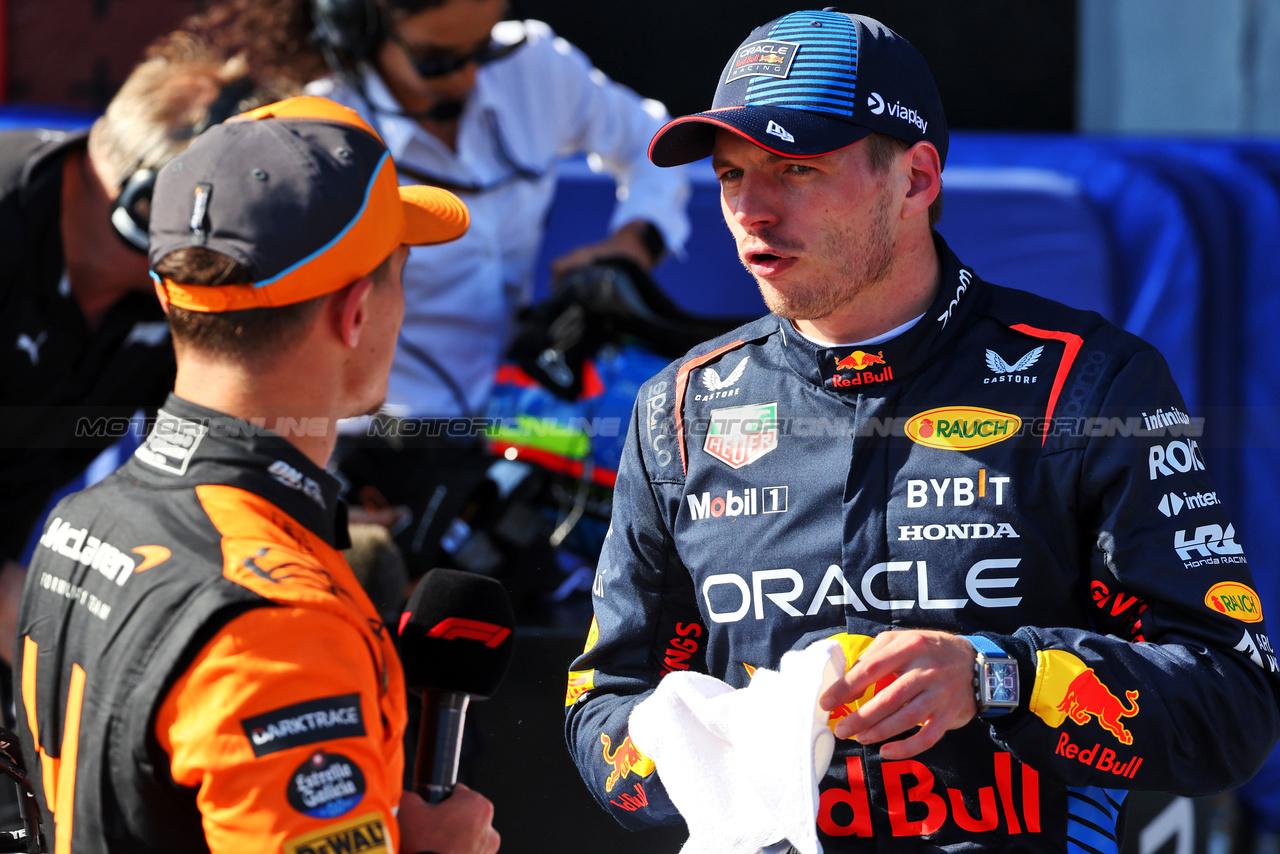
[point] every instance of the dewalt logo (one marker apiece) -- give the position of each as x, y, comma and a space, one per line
366, 834
961, 428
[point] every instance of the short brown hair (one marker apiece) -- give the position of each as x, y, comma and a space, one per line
881, 149
250, 334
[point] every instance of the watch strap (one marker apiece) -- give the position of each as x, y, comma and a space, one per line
986, 646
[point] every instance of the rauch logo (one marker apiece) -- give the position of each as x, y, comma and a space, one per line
961, 428
1234, 600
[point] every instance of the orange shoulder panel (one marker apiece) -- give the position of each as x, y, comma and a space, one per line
282, 726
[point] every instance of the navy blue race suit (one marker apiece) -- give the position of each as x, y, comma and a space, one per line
1008, 467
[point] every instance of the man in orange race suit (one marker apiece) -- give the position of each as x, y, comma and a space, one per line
197, 667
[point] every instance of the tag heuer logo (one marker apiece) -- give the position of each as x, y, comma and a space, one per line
740, 435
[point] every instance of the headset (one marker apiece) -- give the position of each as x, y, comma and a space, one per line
131, 211
351, 29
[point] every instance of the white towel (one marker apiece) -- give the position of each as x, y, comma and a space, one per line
743, 766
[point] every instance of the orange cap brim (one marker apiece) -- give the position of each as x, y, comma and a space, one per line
432, 215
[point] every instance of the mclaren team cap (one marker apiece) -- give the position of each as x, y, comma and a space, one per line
810, 83
303, 193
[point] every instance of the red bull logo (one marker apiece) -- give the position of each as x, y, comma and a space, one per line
625, 761
920, 805
631, 801
859, 360
1087, 697
1068, 688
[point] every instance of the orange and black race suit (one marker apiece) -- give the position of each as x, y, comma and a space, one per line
1007, 467
198, 668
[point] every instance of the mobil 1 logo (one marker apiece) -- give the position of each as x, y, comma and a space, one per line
752, 501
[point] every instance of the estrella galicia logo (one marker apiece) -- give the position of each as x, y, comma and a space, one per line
304, 723
327, 785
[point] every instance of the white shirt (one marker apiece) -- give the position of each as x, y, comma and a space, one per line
543, 102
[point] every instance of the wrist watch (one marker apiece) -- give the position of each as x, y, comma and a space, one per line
995, 678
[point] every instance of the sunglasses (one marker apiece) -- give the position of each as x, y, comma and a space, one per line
442, 65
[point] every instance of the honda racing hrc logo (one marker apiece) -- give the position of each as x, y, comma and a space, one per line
740, 435
1207, 545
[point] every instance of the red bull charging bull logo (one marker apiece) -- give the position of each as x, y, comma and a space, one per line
1087, 697
859, 360
625, 761
1068, 689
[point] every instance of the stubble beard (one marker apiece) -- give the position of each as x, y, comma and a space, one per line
863, 262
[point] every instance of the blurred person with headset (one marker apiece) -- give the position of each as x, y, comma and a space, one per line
485, 107
84, 341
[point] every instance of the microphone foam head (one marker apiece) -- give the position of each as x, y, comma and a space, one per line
456, 634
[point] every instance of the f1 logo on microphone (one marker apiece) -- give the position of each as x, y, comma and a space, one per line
460, 627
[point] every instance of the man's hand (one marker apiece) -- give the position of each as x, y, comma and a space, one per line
12, 576
460, 824
930, 676
626, 241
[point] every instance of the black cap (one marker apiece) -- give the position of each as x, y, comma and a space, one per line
810, 83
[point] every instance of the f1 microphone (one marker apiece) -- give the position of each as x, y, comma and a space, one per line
455, 643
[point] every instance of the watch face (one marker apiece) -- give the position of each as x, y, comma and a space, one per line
1002, 682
